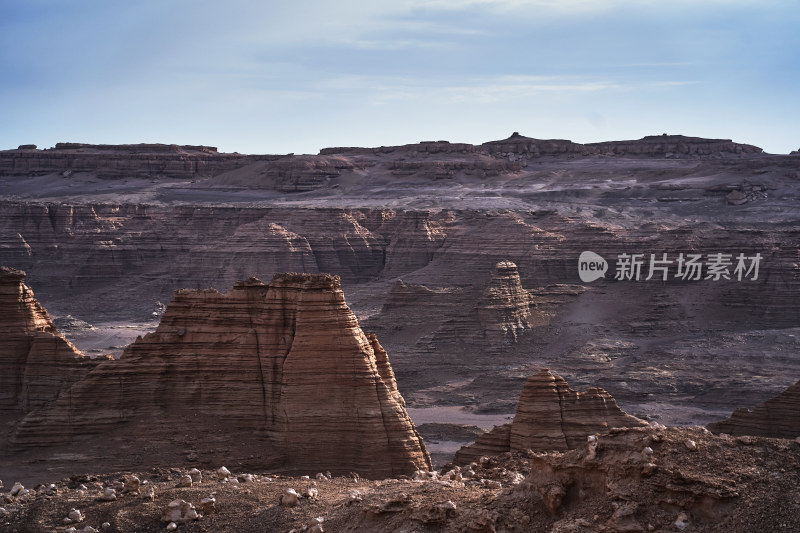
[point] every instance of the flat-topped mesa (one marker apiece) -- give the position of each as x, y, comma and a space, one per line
652, 145
281, 368
36, 361
551, 416
504, 307
778, 417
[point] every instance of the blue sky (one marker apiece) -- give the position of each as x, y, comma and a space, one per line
278, 77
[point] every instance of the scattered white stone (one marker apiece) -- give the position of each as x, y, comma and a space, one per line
185, 481
517, 478
311, 492
424, 475
246, 478
172, 526
467, 471
483, 461
132, 484
88, 529
1, 483
179, 511
305, 477
106, 525
591, 447
682, 521
149, 492
17, 488
75, 515
690, 444
354, 497
320, 476
3, 512
289, 498
197, 475
208, 505
108, 495
223, 472
648, 468
70, 530
647, 453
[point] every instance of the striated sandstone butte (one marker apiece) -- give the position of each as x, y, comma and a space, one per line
778, 417
282, 371
551, 416
36, 361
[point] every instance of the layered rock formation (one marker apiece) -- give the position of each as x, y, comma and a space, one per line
551, 416
285, 365
36, 361
777, 417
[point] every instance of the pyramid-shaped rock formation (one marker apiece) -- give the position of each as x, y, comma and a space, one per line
281, 372
551, 416
778, 417
36, 361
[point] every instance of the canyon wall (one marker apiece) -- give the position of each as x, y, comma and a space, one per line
777, 417
36, 362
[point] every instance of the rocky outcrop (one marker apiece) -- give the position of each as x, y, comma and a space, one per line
499, 317
36, 361
504, 309
777, 417
551, 416
282, 368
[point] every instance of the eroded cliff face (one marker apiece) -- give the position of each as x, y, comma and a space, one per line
551, 417
280, 370
36, 361
777, 417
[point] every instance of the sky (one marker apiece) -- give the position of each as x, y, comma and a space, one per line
297, 76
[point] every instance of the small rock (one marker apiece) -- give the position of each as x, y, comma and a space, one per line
108, 495
197, 475
289, 498
424, 475
185, 481
179, 511
208, 505
149, 492
690, 445
647, 453
682, 522
491, 484
311, 492
17, 488
132, 484
320, 476
246, 478
223, 472
75, 515
316, 525
4, 513
172, 526
106, 525
305, 477
354, 497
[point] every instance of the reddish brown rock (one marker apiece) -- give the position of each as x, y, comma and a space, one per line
282, 369
36, 361
777, 417
551, 416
